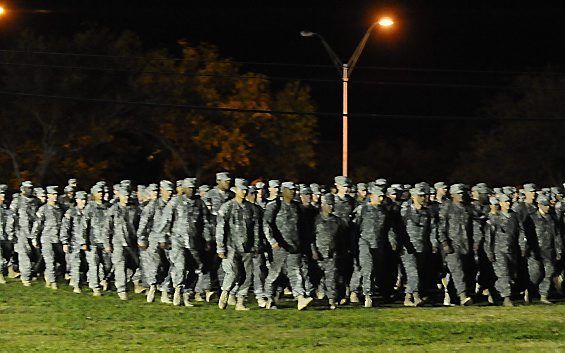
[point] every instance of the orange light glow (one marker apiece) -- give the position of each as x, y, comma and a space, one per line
2, 11
385, 22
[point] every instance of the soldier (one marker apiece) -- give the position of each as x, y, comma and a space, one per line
281, 226
501, 244
417, 245
324, 246
95, 239
71, 238
6, 234
456, 242
373, 223
67, 200
24, 207
123, 240
237, 239
45, 234
150, 238
186, 221
437, 207
546, 248
308, 216
361, 196
347, 257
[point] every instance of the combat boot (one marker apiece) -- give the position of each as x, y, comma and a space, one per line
270, 304
198, 297
151, 293
507, 302
320, 295
526, 297
232, 300
177, 297
261, 302
447, 299
368, 301
303, 302
558, 282
417, 300
408, 300
223, 302
287, 291
186, 300
77, 290
53, 286
104, 284
465, 300
165, 297
26, 283
208, 295
353, 297
2, 279
12, 273
67, 277
96, 292
544, 300
490, 298
240, 305
138, 288
332, 304
123, 296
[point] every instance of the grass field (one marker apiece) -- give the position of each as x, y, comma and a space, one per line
40, 319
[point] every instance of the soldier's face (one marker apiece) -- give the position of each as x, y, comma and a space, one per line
251, 197
530, 196
306, 198
475, 195
505, 206
457, 197
240, 193
189, 192
81, 203
224, 184
27, 191
2, 198
52, 197
342, 189
288, 193
123, 198
165, 194
273, 192
544, 208
327, 208
362, 194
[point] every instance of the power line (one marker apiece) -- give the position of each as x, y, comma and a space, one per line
272, 78
276, 112
280, 64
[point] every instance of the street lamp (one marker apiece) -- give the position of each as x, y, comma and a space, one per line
2, 10
345, 69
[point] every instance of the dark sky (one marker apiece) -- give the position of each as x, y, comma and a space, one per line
443, 58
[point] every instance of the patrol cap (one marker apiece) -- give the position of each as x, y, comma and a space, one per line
178, 183
97, 188
53, 189
39, 191
555, 190
342, 180
482, 185
353, 188
504, 198
440, 185
375, 190
27, 184
508, 190
223, 176
3, 188
418, 191
241, 184
120, 189
456, 189
530, 187
69, 188
328, 199
81, 195
288, 185
166, 185
543, 200
390, 191
481, 189
493, 200
381, 182
497, 190
189, 183
361, 187
72, 182
204, 188
252, 189
152, 187
432, 191
260, 185
125, 182
141, 188
305, 190
315, 189
274, 183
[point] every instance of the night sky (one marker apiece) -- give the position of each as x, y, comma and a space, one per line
442, 59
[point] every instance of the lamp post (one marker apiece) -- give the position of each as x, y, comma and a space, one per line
345, 70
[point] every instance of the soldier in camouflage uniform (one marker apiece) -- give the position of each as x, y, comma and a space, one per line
308, 216
45, 234
6, 234
281, 226
237, 239
71, 238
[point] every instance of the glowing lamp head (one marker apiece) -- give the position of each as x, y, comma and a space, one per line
385, 22
2, 10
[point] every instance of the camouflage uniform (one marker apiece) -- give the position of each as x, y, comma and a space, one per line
46, 230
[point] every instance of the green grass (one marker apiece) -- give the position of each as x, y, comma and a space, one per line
40, 319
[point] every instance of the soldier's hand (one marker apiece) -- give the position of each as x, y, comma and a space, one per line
393, 246
276, 246
222, 255
66, 248
558, 257
434, 249
108, 250
85, 247
163, 245
142, 246
315, 255
35, 243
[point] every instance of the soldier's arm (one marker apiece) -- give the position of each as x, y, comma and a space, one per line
256, 228
206, 224
268, 221
38, 224
64, 234
222, 222
443, 225
11, 226
147, 214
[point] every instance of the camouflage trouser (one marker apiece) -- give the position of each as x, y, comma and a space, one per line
151, 259
455, 266
99, 265
6, 254
503, 271
73, 259
305, 272
178, 265
362, 277
329, 276
282, 259
23, 248
51, 252
412, 275
259, 274
124, 258
541, 272
238, 268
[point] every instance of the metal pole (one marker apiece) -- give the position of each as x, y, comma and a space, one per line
345, 78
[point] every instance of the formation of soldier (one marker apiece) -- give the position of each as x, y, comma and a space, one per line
348, 244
